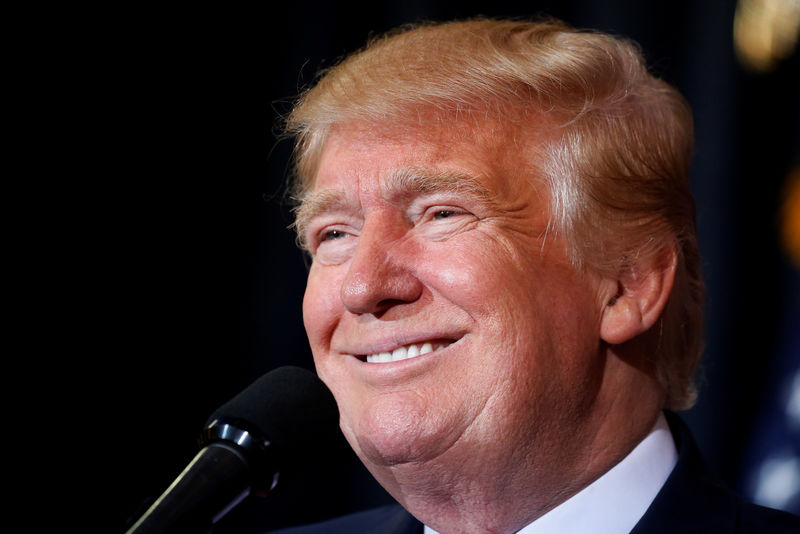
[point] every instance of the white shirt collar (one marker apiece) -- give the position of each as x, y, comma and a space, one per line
616, 501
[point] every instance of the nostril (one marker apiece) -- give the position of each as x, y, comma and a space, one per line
385, 305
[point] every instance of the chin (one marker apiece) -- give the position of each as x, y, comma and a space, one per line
391, 432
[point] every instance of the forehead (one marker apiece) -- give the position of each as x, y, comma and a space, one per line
372, 157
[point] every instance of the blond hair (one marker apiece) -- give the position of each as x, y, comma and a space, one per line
616, 162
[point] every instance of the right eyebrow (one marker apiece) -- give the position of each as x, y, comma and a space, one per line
313, 205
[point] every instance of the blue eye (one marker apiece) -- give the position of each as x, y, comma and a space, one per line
332, 234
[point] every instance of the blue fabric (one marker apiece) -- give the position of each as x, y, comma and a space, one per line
694, 501
774, 446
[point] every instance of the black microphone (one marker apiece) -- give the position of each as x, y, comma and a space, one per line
269, 426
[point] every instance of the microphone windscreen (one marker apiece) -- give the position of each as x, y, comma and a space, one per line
290, 407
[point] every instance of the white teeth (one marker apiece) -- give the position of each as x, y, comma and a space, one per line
402, 353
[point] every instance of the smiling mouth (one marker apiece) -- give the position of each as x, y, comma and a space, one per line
405, 352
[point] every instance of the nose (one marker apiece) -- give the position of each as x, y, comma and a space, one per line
381, 274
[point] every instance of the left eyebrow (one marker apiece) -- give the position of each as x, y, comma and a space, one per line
414, 181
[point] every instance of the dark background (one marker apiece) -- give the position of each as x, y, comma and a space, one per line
175, 282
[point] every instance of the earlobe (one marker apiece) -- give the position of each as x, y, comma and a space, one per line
642, 294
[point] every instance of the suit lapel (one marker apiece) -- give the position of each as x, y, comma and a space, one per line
692, 500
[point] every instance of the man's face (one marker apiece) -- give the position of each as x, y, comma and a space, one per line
436, 245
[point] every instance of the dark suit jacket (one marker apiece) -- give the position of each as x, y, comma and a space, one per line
691, 501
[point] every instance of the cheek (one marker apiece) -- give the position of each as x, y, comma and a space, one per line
322, 306
538, 302
482, 280
463, 274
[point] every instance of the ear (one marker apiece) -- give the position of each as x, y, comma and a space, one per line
642, 292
